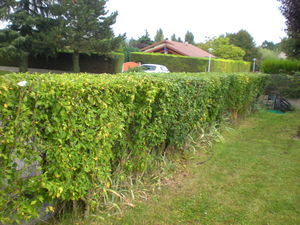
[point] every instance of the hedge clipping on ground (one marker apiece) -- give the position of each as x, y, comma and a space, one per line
64, 136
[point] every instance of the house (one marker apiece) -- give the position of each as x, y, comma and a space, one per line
282, 55
176, 48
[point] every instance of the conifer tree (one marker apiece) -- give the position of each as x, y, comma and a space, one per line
29, 25
159, 35
85, 26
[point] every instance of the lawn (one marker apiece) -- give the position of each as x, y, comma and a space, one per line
252, 178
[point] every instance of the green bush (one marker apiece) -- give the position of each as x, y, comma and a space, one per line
63, 137
177, 63
276, 66
283, 85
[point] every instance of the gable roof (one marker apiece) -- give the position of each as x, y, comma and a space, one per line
177, 48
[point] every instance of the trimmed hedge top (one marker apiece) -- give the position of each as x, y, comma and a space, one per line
64, 136
177, 63
276, 66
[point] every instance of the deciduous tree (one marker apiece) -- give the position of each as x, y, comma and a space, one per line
222, 48
291, 10
246, 42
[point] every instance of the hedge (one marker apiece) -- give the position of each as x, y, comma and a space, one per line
284, 85
90, 63
64, 136
276, 66
176, 63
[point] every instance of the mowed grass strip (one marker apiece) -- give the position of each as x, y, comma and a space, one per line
253, 178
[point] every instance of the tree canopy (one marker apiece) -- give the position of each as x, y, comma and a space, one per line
43, 26
28, 31
85, 26
269, 45
142, 41
291, 11
246, 42
222, 48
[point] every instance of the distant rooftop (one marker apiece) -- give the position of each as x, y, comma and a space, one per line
176, 48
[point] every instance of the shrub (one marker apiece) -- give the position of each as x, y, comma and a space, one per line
63, 137
276, 66
90, 63
176, 63
283, 85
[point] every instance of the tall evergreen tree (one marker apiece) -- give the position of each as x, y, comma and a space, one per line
173, 37
85, 26
159, 35
189, 37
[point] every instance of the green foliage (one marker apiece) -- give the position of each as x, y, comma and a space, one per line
291, 11
159, 35
275, 66
4, 72
66, 137
287, 86
270, 45
135, 69
285, 79
223, 49
251, 179
291, 45
84, 26
189, 37
174, 38
142, 42
127, 50
91, 63
268, 54
246, 42
177, 63
29, 30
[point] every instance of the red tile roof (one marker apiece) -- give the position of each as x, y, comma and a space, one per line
178, 48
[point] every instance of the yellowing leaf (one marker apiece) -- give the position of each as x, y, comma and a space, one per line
50, 208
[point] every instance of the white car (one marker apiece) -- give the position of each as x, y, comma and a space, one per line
154, 68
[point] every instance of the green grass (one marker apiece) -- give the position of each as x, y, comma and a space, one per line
253, 178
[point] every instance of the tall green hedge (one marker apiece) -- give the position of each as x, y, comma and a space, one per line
90, 63
177, 63
283, 66
63, 136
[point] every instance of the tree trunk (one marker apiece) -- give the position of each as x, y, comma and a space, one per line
75, 59
23, 67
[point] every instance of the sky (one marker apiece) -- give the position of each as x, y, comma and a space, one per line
204, 18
